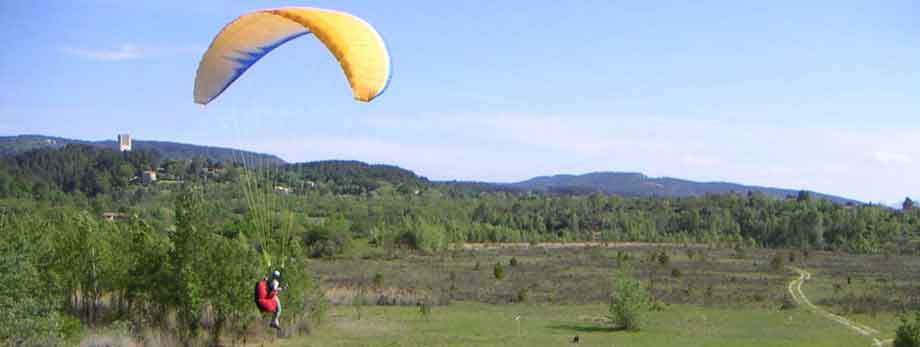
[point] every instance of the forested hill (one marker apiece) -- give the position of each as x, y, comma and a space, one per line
350, 177
637, 184
12, 145
356, 177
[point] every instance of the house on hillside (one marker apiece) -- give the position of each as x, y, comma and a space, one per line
282, 190
148, 176
211, 171
113, 216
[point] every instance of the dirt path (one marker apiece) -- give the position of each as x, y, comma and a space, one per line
795, 289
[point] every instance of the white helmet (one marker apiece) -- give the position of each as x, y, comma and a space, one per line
276, 274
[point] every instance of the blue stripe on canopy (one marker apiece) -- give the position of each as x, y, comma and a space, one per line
247, 58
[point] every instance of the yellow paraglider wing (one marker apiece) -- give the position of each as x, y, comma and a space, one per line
355, 44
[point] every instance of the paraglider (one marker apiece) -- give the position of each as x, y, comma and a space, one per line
356, 45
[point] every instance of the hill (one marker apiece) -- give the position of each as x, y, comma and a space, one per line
13, 145
361, 177
637, 184
355, 177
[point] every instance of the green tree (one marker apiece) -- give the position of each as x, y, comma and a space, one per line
628, 302
186, 259
498, 271
231, 266
908, 333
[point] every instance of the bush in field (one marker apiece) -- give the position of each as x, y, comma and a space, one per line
776, 263
663, 258
378, 280
676, 273
628, 302
622, 259
424, 235
522, 295
908, 333
358, 300
788, 302
513, 262
424, 309
328, 239
316, 304
739, 252
498, 271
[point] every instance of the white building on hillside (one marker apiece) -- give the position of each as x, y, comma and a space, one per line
124, 142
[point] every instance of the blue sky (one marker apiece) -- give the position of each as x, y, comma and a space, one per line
819, 95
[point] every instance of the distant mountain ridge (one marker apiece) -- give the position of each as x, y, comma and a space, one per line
632, 184
12, 145
637, 184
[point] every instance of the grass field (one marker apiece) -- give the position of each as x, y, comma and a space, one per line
722, 297
706, 296
478, 324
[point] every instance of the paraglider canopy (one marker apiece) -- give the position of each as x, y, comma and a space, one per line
356, 45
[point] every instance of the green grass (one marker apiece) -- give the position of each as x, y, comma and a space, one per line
477, 324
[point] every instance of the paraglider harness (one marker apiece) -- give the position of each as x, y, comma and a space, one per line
265, 296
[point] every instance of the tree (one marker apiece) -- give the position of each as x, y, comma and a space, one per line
29, 305
803, 196
187, 286
628, 302
908, 204
231, 265
908, 333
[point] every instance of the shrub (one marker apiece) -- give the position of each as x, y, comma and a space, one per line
908, 333
498, 271
378, 280
701, 255
328, 239
776, 263
663, 258
739, 252
476, 267
424, 309
316, 304
513, 262
676, 273
788, 302
628, 302
358, 300
522, 295
622, 258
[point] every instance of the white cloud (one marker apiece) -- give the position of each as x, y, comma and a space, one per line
120, 53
